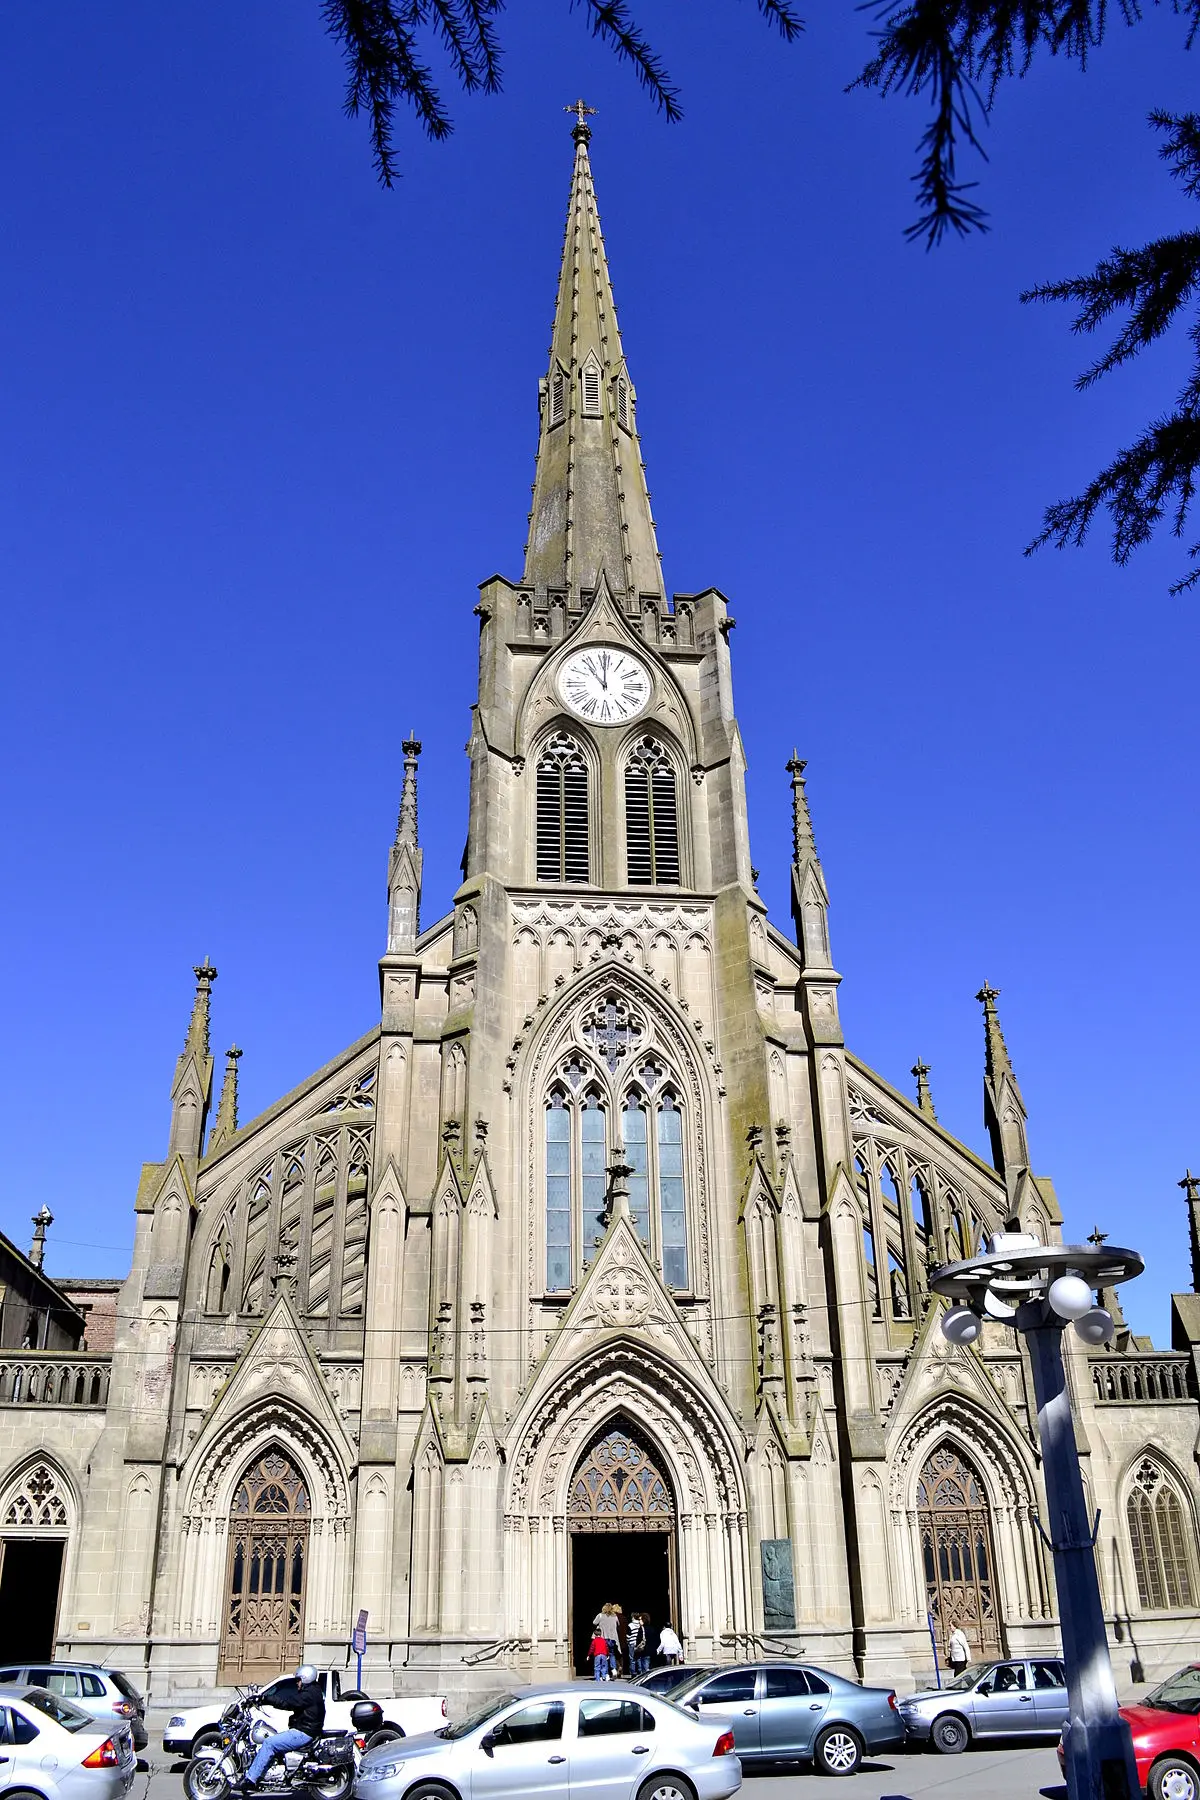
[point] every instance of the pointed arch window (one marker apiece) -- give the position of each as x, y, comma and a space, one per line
652, 1131
1158, 1536
562, 811
651, 816
576, 1180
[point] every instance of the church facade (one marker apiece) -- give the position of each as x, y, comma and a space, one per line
597, 1268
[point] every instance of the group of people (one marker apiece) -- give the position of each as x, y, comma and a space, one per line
622, 1645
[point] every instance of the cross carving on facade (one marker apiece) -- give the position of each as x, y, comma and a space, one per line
612, 1035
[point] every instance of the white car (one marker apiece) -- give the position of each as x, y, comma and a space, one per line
188, 1732
51, 1750
609, 1741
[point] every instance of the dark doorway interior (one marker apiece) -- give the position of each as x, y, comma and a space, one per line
634, 1568
29, 1581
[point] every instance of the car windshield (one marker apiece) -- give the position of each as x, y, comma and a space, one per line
968, 1678
1180, 1693
58, 1709
690, 1680
474, 1720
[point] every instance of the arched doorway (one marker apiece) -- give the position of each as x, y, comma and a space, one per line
954, 1522
621, 1520
267, 1571
34, 1530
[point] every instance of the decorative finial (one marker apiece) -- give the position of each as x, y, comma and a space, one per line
924, 1097
989, 996
1097, 1237
997, 1060
1190, 1185
803, 842
406, 824
283, 1270
197, 1033
617, 1198
41, 1220
226, 1122
581, 131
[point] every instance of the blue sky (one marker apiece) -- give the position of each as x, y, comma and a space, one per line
267, 426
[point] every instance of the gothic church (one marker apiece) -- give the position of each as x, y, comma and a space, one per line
599, 1230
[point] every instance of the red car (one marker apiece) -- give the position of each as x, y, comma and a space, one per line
1166, 1737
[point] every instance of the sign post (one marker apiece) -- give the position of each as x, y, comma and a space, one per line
358, 1643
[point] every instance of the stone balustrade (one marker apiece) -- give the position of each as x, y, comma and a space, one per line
53, 1378
1120, 1379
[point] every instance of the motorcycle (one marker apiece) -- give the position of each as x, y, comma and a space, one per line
325, 1768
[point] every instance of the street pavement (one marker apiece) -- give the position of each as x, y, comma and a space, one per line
1017, 1774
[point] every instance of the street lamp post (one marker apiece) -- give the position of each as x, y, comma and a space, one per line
1039, 1289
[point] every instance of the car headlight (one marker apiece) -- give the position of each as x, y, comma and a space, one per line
177, 1719
380, 1771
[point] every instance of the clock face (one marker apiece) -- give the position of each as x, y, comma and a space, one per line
604, 685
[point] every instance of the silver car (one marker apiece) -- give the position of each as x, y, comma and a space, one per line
107, 1695
610, 1742
784, 1711
50, 1750
1017, 1698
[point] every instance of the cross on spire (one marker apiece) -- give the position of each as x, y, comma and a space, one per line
1097, 1237
1190, 1185
582, 113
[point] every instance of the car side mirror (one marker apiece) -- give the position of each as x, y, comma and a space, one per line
488, 1742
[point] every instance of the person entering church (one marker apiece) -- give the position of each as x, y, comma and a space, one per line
605, 1625
636, 1643
958, 1651
669, 1646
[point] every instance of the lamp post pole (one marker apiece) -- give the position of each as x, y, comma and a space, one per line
1038, 1289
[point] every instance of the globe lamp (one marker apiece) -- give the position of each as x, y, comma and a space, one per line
1070, 1296
1095, 1326
961, 1326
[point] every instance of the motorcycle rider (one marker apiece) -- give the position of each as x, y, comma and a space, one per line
307, 1721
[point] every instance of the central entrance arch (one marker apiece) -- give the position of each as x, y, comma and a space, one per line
621, 1518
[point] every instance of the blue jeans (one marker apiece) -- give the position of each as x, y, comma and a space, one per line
266, 1753
601, 1669
641, 1663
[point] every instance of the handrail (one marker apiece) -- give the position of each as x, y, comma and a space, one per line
772, 1646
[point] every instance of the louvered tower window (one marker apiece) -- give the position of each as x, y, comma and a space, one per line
651, 816
562, 811
558, 397
591, 390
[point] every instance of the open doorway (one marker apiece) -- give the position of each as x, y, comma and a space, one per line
634, 1568
30, 1579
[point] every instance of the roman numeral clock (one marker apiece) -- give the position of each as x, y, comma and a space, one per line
604, 685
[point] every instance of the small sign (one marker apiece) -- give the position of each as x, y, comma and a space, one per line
358, 1643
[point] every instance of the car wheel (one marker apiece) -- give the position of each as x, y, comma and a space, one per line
431, 1790
205, 1740
950, 1734
387, 1734
396, 1730
838, 1751
22, 1794
666, 1787
1174, 1779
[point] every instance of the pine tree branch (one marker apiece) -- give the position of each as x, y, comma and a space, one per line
1157, 475
612, 21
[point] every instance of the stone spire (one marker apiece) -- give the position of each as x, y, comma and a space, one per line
924, 1097
404, 864
810, 897
591, 507
196, 1042
41, 1221
1191, 1188
226, 1123
1003, 1108
192, 1087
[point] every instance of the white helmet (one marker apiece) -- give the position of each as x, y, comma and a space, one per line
306, 1674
